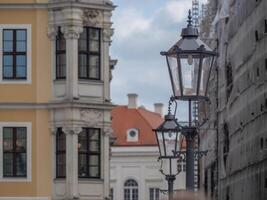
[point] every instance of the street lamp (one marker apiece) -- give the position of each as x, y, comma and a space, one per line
167, 135
189, 60
190, 63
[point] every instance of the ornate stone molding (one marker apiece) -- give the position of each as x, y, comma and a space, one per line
92, 17
52, 31
107, 34
91, 117
108, 131
72, 129
72, 32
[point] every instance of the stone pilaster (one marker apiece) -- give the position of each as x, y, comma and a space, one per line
72, 191
72, 34
106, 154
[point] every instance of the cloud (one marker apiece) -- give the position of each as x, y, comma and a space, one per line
178, 9
143, 28
130, 21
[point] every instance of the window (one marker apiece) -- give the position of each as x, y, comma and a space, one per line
15, 61
130, 190
60, 56
15, 151
60, 154
153, 194
14, 53
132, 135
89, 153
89, 54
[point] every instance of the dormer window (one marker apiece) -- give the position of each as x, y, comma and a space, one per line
132, 135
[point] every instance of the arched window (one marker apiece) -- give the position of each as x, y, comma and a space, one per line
130, 190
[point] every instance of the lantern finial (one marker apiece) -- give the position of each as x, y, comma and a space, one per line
190, 21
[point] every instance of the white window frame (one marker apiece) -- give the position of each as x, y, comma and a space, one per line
28, 125
130, 138
154, 189
28, 79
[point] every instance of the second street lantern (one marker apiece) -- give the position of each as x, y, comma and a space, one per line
189, 60
167, 136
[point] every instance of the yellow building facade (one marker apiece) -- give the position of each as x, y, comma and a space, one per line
55, 99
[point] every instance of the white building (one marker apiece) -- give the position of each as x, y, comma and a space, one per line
134, 162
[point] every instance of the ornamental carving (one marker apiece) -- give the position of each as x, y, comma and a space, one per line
72, 129
72, 32
92, 17
91, 116
107, 34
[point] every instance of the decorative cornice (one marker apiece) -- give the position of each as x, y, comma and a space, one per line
57, 105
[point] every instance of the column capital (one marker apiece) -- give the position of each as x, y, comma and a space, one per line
108, 131
52, 31
107, 34
72, 32
72, 130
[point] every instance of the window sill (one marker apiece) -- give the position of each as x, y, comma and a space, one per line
81, 180
15, 81
15, 179
90, 81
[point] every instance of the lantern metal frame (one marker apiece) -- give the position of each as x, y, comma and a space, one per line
189, 45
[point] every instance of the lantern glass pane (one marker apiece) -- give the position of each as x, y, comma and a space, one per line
160, 143
170, 142
174, 75
189, 70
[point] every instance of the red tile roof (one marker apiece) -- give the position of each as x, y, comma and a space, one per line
141, 119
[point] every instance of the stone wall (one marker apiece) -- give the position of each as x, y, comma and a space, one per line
240, 115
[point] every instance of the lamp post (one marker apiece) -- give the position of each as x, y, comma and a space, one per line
167, 135
190, 63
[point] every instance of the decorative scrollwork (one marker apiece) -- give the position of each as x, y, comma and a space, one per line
200, 154
181, 155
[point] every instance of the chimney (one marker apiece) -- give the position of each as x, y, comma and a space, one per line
132, 101
158, 107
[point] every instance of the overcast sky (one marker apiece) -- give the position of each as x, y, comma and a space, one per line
143, 28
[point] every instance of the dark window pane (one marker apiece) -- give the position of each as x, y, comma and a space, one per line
83, 66
21, 60
8, 144
82, 45
21, 46
21, 132
21, 164
61, 165
94, 46
83, 35
8, 46
8, 164
83, 142
8, 60
21, 35
83, 172
8, 72
94, 34
8, 35
7, 132
94, 67
93, 160
94, 146
94, 171
21, 71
